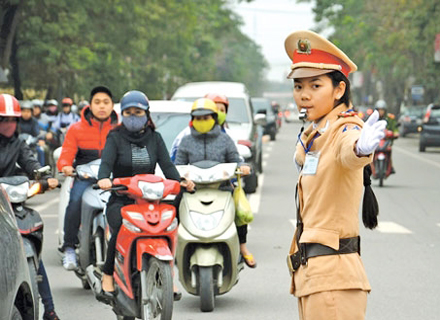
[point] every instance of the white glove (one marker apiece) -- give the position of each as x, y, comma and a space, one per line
371, 134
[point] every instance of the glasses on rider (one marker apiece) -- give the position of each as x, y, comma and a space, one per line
133, 111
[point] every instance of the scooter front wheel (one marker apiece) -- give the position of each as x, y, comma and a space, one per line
206, 290
33, 275
156, 290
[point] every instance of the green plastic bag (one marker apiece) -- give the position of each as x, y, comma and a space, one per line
243, 210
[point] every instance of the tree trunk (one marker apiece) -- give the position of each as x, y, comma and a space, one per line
7, 33
16, 70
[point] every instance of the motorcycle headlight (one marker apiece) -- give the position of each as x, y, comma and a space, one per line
17, 194
131, 226
151, 191
206, 222
166, 215
173, 225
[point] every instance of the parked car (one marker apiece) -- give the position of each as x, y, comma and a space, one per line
410, 120
430, 129
290, 113
17, 292
262, 105
241, 121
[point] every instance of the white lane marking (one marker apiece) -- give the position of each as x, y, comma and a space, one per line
417, 157
293, 222
264, 164
44, 206
438, 224
255, 198
271, 143
392, 227
266, 155
269, 149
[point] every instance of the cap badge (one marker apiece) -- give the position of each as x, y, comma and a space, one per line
304, 46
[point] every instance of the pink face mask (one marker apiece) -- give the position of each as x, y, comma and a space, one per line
7, 129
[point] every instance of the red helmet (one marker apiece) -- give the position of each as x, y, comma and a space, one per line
67, 101
218, 98
9, 106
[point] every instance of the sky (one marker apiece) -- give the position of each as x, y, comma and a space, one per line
268, 23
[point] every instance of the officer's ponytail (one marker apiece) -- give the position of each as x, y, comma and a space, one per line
370, 207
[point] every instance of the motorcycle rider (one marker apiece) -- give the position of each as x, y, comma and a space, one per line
84, 142
222, 104
42, 118
381, 107
207, 142
132, 148
16, 151
65, 118
28, 124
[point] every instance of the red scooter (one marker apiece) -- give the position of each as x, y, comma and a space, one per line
144, 250
382, 166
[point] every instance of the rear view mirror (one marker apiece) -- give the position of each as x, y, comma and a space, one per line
260, 119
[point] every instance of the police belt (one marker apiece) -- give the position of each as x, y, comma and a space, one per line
311, 250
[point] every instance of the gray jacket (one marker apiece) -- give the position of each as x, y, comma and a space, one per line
214, 145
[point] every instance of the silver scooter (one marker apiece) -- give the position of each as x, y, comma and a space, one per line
93, 230
208, 249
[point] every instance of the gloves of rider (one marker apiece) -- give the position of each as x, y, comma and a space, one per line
371, 134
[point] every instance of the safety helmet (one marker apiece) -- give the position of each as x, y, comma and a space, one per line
136, 99
67, 101
380, 104
52, 102
9, 106
82, 104
203, 107
218, 98
26, 105
37, 103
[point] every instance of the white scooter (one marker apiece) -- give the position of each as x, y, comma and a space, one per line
93, 230
208, 249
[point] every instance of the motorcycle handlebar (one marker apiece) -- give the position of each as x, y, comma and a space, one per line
119, 187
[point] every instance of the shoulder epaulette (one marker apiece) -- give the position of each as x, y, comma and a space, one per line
348, 113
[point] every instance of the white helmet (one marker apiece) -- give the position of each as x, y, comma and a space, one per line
380, 104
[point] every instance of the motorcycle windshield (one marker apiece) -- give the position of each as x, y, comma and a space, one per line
89, 170
203, 174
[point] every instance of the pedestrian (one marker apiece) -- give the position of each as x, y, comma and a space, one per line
133, 147
328, 276
17, 152
84, 143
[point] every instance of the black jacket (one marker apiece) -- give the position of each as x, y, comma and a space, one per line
14, 150
117, 156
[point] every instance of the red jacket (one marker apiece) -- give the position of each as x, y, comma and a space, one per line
85, 139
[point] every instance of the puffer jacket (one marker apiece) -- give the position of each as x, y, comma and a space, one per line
16, 151
214, 145
85, 139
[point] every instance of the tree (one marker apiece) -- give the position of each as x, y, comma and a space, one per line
390, 40
67, 47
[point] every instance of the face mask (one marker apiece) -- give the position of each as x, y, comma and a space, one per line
203, 126
221, 117
7, 129
134, 123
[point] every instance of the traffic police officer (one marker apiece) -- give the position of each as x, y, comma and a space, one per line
328, 276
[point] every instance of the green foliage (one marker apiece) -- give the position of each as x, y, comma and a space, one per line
391, 40
69, 46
